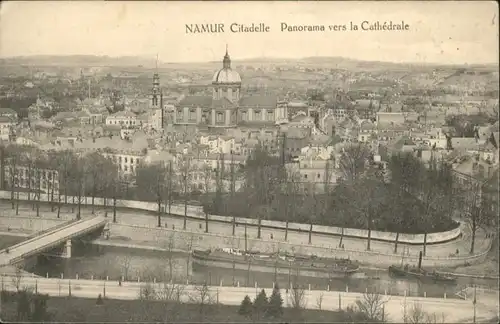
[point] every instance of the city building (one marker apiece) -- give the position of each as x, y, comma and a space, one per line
226, 107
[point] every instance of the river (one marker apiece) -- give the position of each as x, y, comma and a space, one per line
90, 260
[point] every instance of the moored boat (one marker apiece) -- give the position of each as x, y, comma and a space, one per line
417, 272
279, 263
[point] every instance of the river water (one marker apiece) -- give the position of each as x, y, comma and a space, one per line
99, 262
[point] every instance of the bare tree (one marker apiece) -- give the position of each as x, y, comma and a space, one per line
172, 263
353, 161
474, 209
125, 263
319, 300
171, 295
170, 186
14, 158
170, 292
207, 182
184, 168
292, 190
368, 201
65, 161
189, 247
430, 196
372, 305
298, 298
405, 172
147, 292
232, 188
417, 315
152, 179
203, 297
18, 278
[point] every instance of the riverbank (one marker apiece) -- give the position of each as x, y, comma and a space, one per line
180, 240
141, 231
469, 272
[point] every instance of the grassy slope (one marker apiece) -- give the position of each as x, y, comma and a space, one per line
69, 310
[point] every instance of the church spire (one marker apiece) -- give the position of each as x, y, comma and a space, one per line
226, 62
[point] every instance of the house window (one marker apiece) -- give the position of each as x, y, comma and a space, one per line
125, 168
179, 114
244, 116
257, 115
270, 115
120, 159
220, 117
305, 176
125, 159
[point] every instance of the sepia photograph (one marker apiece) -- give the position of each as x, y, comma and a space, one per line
249, 161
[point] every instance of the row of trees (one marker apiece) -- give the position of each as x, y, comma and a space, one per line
405, 197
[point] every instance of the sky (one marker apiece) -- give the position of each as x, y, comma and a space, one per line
439, 32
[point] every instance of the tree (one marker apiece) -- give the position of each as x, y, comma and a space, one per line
417, 315
260, 304
97, 171
17, 279
275, 307
14, 156
172, 263
405, 170
184, 168
151, 178
353, 160
246, 307
368, 195
474, 210
202, 296
207, 181
40, 313
372, 305
298, 299
291, 198
232, 188
147, 292
262, 183
125, 263
65, 160
23, 306
430, 198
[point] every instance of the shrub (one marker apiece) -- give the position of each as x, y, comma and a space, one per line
246, 307
99, 300
275, 306
260, 304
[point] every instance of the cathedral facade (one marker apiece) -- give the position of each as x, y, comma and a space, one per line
226, 107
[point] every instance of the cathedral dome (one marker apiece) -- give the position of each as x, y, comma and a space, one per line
226, 75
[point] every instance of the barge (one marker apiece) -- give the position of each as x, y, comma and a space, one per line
277, 263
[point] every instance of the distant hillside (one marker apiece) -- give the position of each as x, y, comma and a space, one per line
312, 62
79, 60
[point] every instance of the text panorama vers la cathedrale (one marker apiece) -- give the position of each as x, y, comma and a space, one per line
213, 28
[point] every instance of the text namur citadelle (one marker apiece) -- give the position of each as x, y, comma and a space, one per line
214, 28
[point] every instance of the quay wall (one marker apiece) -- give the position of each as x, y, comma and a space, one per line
196, 212
179, 240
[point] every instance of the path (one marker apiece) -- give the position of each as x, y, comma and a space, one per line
453, 310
